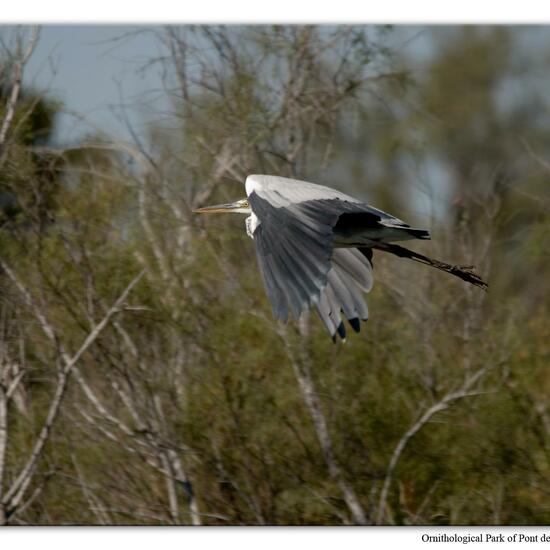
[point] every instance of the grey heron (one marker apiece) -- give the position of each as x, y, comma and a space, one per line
314, 247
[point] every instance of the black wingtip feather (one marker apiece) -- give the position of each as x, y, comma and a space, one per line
419, 233
341, 331
355, 324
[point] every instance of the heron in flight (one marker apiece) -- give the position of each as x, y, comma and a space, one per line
314, 246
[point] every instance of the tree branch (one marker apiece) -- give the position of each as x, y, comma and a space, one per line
441, 405
20, 62
313, 403
17, 490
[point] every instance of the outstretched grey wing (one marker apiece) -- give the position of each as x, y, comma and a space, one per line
300, 267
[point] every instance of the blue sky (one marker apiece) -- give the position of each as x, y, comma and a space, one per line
95, 69
92, 71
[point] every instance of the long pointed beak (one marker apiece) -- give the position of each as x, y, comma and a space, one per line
217, 208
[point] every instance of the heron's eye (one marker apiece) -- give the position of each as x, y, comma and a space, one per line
244, 204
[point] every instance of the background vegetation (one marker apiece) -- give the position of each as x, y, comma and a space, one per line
142, 377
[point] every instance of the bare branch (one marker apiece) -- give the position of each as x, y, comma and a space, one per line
426, 416
21, 59
305, 382
15, 494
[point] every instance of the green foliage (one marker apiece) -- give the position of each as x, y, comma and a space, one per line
195, 367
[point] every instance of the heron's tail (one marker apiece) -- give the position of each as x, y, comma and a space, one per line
464, 272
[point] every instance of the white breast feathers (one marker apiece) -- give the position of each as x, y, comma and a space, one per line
251, 224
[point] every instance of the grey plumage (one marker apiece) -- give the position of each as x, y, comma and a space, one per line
305, 245
300, 266
314, 248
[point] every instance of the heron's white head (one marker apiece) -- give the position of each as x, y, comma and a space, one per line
239, 207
